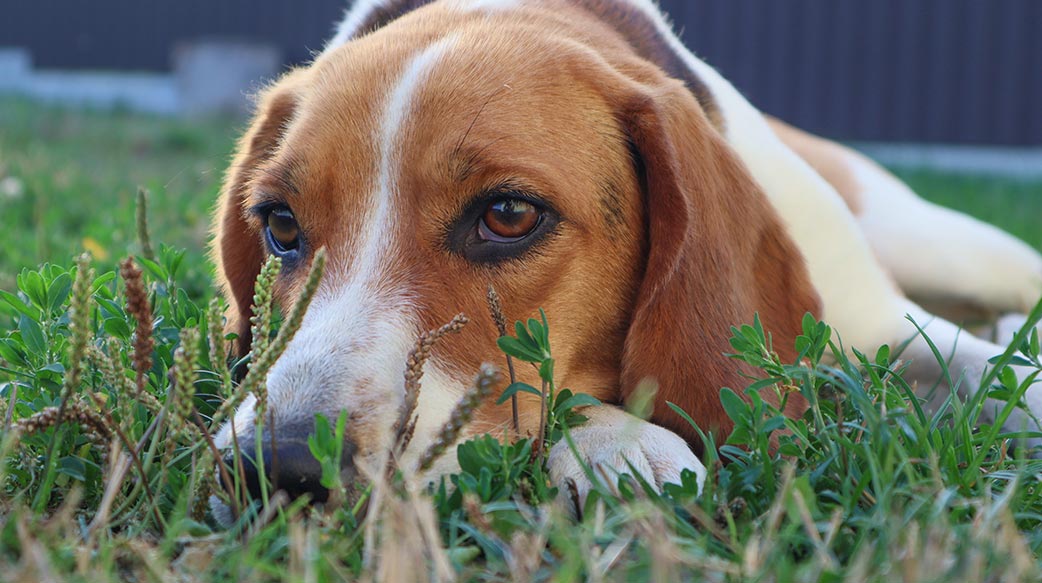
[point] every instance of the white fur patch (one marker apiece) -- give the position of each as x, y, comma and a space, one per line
354, 18
938, 253
486, 5
398, 109
611, 442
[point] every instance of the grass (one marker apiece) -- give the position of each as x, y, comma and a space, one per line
865, 487
72, 180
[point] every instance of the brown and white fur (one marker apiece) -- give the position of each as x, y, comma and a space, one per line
681, 211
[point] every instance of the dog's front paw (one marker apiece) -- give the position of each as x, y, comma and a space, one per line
613, 443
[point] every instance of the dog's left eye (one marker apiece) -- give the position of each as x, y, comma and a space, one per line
508, 220
501, 225
283, 230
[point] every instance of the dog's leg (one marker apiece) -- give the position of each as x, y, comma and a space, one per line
611, 441
967, 357
935, 253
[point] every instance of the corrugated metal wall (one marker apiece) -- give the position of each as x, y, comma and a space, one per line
905, 70
963, 71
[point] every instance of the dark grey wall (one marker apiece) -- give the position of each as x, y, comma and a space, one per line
963, 71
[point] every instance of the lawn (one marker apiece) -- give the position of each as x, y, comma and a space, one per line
865, 487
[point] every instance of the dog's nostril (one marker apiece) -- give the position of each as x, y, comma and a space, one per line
290, 467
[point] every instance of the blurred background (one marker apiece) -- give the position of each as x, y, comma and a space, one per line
956, 71
98, 97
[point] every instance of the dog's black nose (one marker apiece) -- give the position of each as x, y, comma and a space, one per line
289, 467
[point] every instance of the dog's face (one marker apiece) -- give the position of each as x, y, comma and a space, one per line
447, 152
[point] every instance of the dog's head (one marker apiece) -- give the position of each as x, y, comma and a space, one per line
534, 150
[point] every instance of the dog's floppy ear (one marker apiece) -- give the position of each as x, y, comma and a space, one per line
717, 254
237, 249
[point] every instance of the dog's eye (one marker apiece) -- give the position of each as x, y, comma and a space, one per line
508, 220
502, 224
283, 230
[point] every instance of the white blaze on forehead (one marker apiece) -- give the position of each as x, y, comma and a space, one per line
486, 5
379, 223
353, 20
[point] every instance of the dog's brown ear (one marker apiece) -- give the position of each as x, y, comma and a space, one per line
237, 247
717, 254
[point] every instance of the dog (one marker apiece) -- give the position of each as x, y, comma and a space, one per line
574, 155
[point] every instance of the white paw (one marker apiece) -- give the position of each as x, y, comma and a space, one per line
611, 442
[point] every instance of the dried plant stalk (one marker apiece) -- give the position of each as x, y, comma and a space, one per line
79, 326
143, 236
138, 306
260, 322
218, 346
405, 426
262, 362
182, 389
112, 372
93, 424
486, 379
496, 309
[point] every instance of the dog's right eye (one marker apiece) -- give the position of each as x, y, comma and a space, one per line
283, 230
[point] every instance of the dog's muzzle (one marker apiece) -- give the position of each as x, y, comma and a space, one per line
288, 467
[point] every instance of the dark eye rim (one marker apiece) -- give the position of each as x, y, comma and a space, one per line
463, 236
264, 211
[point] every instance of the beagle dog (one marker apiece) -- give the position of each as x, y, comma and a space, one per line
574, 155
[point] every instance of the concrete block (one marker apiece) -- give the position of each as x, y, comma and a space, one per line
16, 65
218, 76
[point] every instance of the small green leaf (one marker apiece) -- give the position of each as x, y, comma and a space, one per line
101, 281
16, 303
58, 291
10, 353
73, 467
1008, 377
546, 370
883, 356
575, 401
153, 268
32, 336
464, 555
515, 348
525, 338
536, 329
55, 367
515, 388
117, 327
773, 424
1013, 360
810, 324
32, 284
736, 408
